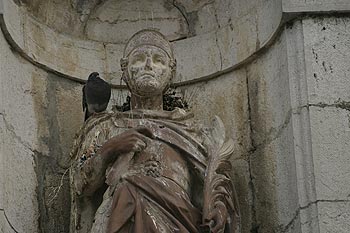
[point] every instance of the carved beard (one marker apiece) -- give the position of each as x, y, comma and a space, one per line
145, 84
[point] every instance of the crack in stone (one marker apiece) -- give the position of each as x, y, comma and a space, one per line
345, 200
183, 13
295, 216
133, 20
338, 104
273, 133
297, 212
7, 219
255, 225
308, 205
11, 129
217, 44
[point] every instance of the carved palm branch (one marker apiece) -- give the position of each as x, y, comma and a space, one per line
218, 184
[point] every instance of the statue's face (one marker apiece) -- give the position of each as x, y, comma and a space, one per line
148, 71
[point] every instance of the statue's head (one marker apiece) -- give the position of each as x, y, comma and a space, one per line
148, 63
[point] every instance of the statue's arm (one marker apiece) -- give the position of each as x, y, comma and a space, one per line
89, 174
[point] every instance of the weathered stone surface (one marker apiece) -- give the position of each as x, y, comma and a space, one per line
58, 15
275, 184
327, 54
269, 94
330, 131
334, 216
13, 19
204, 19
327, 61
20, 200
245, 27
112, 71
119, 20
5, 226
196, 57
309, 218
268, 20
206, 100
301, 128
315, 6
67, 100
273, 170
73, 54
16, 95
39, 117
60, 52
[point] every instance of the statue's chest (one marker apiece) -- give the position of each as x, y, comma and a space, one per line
161, 160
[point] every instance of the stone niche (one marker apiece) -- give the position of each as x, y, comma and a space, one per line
238, 59
61, 42
73, 37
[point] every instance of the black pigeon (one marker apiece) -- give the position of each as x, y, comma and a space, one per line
96, 95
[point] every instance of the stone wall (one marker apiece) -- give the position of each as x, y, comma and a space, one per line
40, 114
278, 79
327, 57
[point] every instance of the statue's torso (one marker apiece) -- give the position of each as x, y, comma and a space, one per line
161, 160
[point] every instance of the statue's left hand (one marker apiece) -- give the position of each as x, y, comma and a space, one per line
217, 218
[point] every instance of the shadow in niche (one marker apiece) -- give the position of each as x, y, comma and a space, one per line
97, 198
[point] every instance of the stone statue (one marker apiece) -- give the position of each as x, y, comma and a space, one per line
147, 169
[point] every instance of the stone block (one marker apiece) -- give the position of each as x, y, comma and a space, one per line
268, 20
238, 40
241, 179
73, 57
196, 57
330, 130
2, 135
226, 12
327, 54
309, 218
191, 6
294, 6
275, 186
227, 40
64, 98
113, 72
13, 18
16, 93
128, 17
204, 20
334, 217
269, 94
20, 186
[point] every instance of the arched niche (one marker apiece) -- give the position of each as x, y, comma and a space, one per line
75, 37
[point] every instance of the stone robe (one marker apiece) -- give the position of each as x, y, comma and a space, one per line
160, 190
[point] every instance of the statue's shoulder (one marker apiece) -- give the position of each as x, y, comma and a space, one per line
97, 129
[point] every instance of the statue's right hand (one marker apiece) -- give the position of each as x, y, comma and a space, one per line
133, 140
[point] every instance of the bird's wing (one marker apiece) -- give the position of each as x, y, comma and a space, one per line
84, 99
